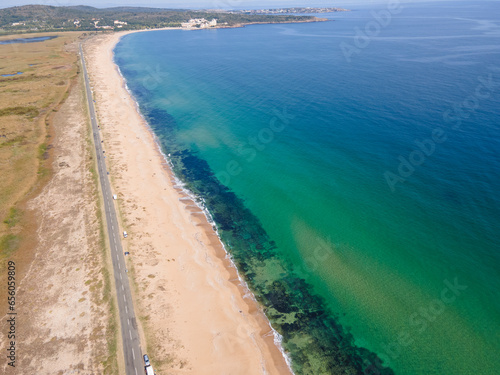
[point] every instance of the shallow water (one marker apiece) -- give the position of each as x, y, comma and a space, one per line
11, 75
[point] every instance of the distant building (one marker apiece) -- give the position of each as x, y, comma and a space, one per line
201, 23
102, 27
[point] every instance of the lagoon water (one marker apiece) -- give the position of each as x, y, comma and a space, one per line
27, 40
11, 75
354, 179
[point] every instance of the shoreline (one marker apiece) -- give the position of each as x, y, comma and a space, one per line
105, 31
258, 328
209, 225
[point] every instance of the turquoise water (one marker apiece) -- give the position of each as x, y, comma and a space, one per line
354, 180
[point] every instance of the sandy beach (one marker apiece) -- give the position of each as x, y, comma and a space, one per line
195, 316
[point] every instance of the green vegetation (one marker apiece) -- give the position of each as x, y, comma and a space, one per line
8, 244
38, 18
29, 111
13, 141
13, 217
42, 151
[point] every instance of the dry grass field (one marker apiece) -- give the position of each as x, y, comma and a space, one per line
50, 217
27, 104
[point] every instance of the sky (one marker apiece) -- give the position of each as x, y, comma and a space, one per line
202, 4
205, 4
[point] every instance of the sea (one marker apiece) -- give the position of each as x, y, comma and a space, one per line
352, 170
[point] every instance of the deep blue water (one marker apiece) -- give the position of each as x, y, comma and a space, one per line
353, 170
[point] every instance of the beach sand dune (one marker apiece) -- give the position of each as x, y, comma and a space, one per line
195, 318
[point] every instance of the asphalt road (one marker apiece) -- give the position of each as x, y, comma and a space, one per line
131, 344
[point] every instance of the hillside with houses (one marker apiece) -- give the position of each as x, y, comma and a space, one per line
41, 18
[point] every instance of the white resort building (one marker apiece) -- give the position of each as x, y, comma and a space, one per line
200, 23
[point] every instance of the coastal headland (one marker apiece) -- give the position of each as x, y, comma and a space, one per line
42, 18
